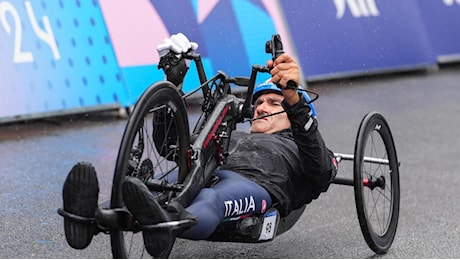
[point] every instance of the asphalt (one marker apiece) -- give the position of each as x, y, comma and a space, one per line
421, 108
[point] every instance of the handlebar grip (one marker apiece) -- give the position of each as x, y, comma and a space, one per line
291, 85
275, 47
175, 68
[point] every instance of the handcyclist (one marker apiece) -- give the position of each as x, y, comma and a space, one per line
283, 163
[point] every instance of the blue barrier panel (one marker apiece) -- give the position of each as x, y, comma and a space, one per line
231, 35
353, 37
442, 19
61, 57
82, 55
56, 57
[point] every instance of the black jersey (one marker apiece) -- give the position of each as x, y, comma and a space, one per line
293, 165
272, 161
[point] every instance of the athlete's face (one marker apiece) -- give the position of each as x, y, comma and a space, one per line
268, 104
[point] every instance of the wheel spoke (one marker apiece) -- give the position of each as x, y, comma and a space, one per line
145, 143
378, 211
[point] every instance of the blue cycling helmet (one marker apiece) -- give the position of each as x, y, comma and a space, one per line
269, 87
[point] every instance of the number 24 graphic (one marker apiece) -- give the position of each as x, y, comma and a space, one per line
45, 35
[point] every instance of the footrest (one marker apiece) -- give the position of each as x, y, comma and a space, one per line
178, 224
75, 218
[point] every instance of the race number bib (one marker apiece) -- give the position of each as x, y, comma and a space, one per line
269, 225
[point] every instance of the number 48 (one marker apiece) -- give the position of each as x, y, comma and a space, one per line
46, 35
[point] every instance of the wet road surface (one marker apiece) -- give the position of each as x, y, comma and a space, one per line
422, 110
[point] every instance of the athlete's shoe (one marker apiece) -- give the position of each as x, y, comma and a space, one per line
80, 194
144, 207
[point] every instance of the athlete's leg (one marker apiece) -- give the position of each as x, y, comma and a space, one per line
233, 196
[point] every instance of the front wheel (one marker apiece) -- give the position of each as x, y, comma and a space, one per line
154, 149
376, 182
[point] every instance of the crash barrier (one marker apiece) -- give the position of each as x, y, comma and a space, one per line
64, 57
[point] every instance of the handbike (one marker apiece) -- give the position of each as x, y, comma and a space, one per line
183, 162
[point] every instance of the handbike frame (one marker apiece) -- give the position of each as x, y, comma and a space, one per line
214, 128
208, 149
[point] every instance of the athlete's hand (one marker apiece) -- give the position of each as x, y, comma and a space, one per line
284, 69
178, 44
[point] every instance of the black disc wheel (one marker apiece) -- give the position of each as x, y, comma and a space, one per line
376, 182
154, 148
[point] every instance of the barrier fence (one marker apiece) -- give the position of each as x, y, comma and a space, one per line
63, 57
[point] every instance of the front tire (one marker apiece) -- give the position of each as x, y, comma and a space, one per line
150, 151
